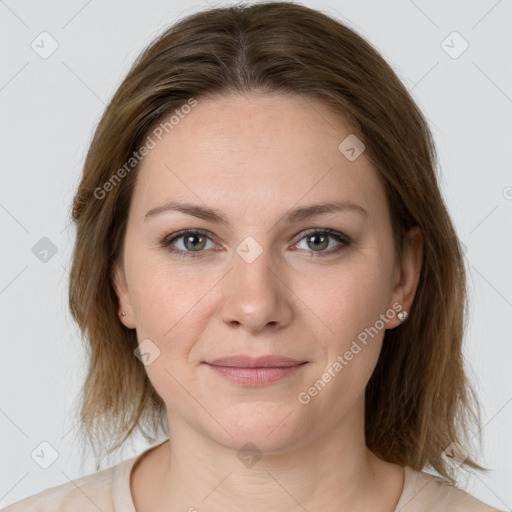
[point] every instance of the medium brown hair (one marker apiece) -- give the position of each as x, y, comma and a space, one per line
419, 400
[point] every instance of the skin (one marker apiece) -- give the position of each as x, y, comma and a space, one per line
253, 157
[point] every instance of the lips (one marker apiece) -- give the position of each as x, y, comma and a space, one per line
244, 361
248, 371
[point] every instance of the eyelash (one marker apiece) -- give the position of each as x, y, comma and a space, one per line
167, 243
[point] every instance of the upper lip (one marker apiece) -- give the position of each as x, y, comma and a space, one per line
243, 361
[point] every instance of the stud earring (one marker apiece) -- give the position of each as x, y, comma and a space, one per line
402, 315
123, 313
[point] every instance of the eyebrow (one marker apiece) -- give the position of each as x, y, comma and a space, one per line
290, 217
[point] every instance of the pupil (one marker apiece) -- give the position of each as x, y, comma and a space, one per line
324, 245
189, 239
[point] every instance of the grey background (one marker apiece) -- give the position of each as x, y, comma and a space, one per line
49, 108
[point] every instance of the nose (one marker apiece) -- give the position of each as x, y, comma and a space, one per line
255, 295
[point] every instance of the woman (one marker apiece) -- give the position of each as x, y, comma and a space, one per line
266, 274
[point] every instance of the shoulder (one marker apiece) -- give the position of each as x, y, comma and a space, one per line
426, 492
88, 493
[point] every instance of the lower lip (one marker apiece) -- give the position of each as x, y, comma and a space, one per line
255, 376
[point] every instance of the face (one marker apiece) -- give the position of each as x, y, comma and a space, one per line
261, 281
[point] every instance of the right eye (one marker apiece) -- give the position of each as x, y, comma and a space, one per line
194, 241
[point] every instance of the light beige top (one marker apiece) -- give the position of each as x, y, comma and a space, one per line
109, 491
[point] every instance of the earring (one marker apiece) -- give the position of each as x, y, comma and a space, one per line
402, 315
123, 313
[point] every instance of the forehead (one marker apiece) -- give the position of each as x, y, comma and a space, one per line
256, 151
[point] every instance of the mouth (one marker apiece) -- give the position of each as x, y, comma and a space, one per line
245, 361
255, 371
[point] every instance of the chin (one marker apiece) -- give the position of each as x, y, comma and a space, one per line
271, 428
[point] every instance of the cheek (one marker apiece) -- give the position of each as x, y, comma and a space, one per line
351, 305
349, 300
351, 309
170, 311
164, 298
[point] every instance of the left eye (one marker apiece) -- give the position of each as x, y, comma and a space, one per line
319, 239
195, 241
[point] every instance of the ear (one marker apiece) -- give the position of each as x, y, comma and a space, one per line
123, 295
407, 273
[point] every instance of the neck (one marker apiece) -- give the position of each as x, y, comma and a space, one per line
335, 471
